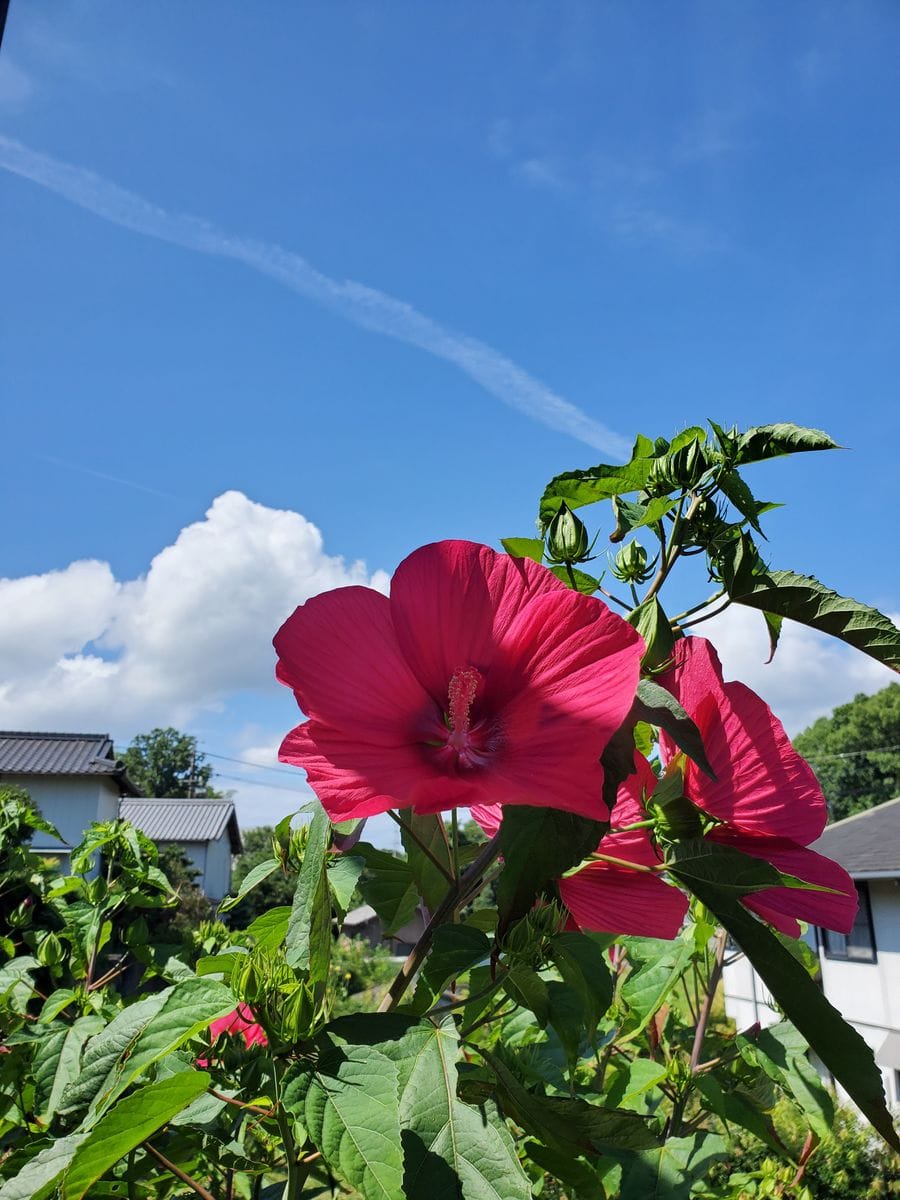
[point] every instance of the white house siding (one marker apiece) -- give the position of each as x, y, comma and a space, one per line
867, 994
217, 877
70, 802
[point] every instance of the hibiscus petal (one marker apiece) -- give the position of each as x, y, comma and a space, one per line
488, 816
358, 779
762, 784
613, 899
782, 907
452, 603
339, 653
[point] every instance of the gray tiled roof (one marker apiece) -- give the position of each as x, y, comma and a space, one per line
175, 820
867, 843
62, 754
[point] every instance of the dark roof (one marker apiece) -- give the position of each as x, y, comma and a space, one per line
62, 754
868, 843
165, 819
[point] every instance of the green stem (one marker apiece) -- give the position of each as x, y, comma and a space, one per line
463, 889
175, 1170
706, 616
711, 985
703, 604
454, 828
294, 1183
426, 850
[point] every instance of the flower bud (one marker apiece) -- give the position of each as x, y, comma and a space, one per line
630, 565
567, 538
683, 469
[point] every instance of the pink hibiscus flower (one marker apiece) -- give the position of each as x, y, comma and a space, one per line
483, 679
610, 898
242, 1022
766, 796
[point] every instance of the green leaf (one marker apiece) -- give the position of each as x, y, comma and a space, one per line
569, 1125
657, 967
455, 948
343, 875
653, 625
584, 583
57, 1061
450, 1149
577, 488
772, 441
631, 515
632, 1080
838, 1045
780, 1051
270, 928
735, 1108
735, 489
803, 598
308, 942
580, 1179
657, 706
773, 628
124, 1127
40, 1175
670, 1172
388, 885
527, 988
349, 1104
728, 869
584, 966
538, 845
429, 829
56, 1003
140, 1036
256, 876
532, 548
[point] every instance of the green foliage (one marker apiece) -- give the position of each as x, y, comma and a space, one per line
856, 752
165, 762
277, 884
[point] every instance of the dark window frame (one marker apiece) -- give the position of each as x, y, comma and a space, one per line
843, 948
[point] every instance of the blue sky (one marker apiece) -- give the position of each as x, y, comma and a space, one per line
370, 274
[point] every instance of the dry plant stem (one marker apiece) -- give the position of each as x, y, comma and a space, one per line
263, 1112
714, 976
463, 889
186, 1179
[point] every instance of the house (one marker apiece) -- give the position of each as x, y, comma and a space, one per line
364, 922
205, 830
75, 779
860, 971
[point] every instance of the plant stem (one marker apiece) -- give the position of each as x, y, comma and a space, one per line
697, 607
186, 1179
711, 985
461, 891
454, 827
426, 850
706, 616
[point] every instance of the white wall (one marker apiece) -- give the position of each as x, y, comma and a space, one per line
217, 878
70, 802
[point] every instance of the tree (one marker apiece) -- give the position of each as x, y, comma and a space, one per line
165, 762
856, 752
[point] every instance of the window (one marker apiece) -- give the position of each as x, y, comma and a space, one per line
859, 944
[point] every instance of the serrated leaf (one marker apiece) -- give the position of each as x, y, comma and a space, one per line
653, 625
40, 1175
657, 968
532, 548
257, 875
388, 885
693, 859
577, 488
631, 515
670, 1172
584, 583
773, 627
734, 1108
269, 928
307, 943
343, 875
735, 489
569, 1124
348, 1102
780, 1051
455, 948
838, 1045
584, 967
538, 845
804, 599
451, 1150
128, 1124
57, 1061
772, 441
657, 706
527, 988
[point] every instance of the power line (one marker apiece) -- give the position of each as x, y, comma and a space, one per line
246, 762
852, 753
266, 783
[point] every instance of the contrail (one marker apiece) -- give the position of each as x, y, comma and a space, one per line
73, 466
355, 302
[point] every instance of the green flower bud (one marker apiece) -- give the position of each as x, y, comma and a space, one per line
630, 564
567, 538
683, 469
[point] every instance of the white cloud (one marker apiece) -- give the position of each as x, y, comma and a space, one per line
355, 302
810, 674
79, 649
